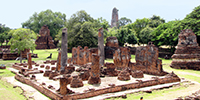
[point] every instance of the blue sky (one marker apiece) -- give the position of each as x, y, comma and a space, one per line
14, 12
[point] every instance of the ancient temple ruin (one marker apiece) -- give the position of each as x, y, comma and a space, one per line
187, 53
45, 40
114, 21
67, 81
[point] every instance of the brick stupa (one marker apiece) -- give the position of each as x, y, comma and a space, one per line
187, 53
45, 40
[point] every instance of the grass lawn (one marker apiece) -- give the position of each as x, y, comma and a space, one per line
7, 92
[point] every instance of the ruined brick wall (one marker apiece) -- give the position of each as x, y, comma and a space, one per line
114, 21
147, 60
122, 57
81, 56
187, 53
10, 56
45, 40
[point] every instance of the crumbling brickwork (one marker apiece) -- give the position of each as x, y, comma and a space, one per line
122, 57
76, 82
147, 60
95, 71
187, 53
80, 56
45, 40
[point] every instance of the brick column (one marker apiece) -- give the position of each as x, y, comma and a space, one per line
95, 71
29, 61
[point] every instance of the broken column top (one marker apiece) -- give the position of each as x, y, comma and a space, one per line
187, 38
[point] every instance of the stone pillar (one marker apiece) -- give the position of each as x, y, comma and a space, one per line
64, 50
101, 52
29, 61
58, 61
95, 71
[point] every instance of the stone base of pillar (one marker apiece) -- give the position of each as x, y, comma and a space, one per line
94, 80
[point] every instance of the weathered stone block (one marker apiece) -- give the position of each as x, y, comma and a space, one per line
137, 74
76, 82
53, 74
47, 73
124, 75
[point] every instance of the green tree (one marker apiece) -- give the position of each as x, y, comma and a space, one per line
155, 21
82, 30
54, 20
4, 36
131, 38
124, 21
83, 35
167, 33
79, 17
2, 39
145, 35
121, 35
22, 39
138, 25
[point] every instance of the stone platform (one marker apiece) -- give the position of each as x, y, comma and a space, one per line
49, 87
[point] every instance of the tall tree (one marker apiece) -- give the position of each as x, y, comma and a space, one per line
4, 36
145, 35
54, 20
122, 35
82, 30
124, 21
155, 21
138, 25
22, 39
